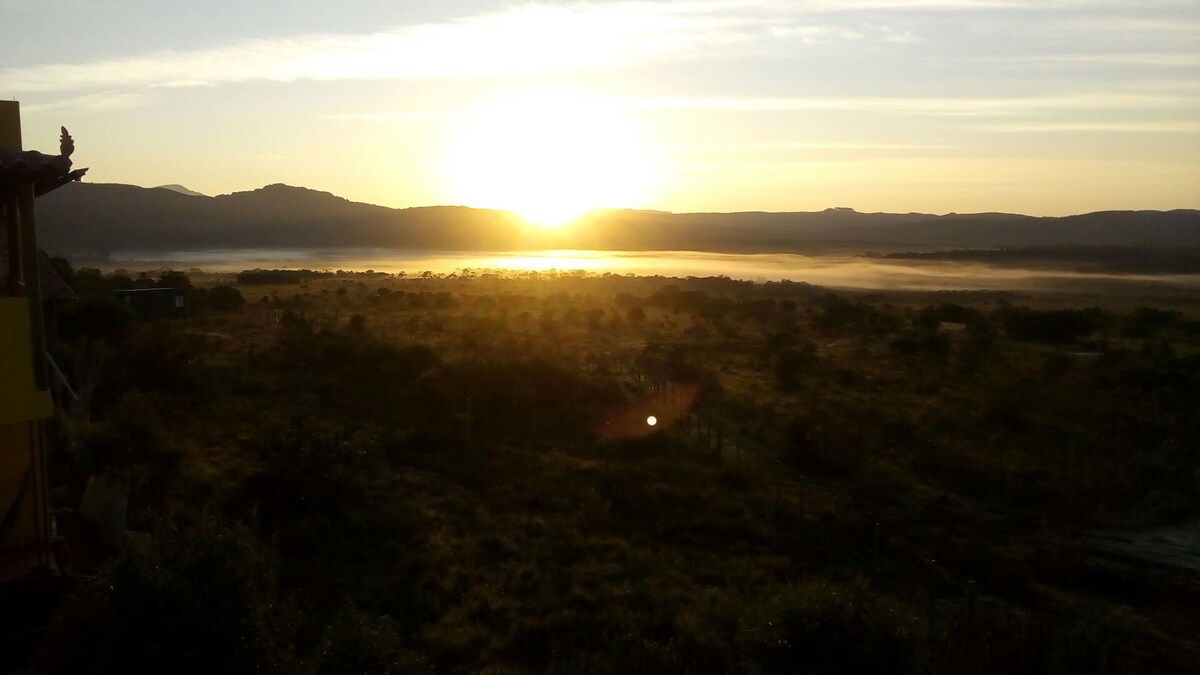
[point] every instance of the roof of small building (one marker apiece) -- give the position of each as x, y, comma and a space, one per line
32, 162
45, 172
153, 288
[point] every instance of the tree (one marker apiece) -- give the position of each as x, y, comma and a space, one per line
226, 298
174, 280
791, 363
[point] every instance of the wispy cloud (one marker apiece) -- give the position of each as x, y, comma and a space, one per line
833, 146
1173, 127
526, 39
1129, 25
812, 34
108, 101
981, 5
819, 145
920, 106
1162, 59
385, 116
978, 107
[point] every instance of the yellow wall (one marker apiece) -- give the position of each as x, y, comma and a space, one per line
21, 408
18, 447
19, 400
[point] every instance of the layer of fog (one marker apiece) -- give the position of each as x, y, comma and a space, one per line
834, 271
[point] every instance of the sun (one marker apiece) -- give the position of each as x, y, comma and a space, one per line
549, 158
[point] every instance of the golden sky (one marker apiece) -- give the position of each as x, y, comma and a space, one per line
1041, 107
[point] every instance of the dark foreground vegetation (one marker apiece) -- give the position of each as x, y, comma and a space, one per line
362, 474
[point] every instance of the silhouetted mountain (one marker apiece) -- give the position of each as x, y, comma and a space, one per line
744, 231
1103, 228
96, 218
175, 187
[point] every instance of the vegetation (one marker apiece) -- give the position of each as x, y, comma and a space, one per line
365, 473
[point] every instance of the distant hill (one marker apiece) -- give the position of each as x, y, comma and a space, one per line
87, 218
1103, 228
175, 187
84, 218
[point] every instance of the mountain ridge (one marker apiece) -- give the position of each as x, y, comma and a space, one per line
176, 187
90, 218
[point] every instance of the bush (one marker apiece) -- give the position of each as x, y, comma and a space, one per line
935, 345
806, 628
226, 298
1063, 326
356, 643
194, 597
792, 363
1147, 322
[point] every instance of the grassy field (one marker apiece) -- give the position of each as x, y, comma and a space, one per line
365, 473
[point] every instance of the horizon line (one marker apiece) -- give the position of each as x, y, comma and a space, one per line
591, 211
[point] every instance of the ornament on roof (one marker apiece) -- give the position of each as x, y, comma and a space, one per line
45, 172
66, 144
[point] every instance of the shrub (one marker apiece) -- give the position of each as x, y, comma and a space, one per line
195, 597
1063, 326
792, 363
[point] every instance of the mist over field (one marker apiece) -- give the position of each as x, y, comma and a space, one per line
834, 270
286, 226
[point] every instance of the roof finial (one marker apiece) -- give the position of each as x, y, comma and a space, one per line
66, 144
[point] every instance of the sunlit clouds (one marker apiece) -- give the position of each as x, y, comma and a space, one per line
527, 39
692, 105
931, 105
543, 38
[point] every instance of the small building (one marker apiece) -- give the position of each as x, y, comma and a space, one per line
153, 303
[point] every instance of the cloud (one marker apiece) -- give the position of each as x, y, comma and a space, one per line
812, 34
970, 107
1173, 127
985, 5
526, 39
1160, 59
108, 101
920, 106
385, 116
1126, 25
815, 145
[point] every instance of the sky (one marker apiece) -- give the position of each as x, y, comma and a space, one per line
1045, 107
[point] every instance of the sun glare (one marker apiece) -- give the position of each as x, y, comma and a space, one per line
550, 159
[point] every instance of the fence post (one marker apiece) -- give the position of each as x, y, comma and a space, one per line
875, 557
972, 611
802, 511
803, 500
933, 576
